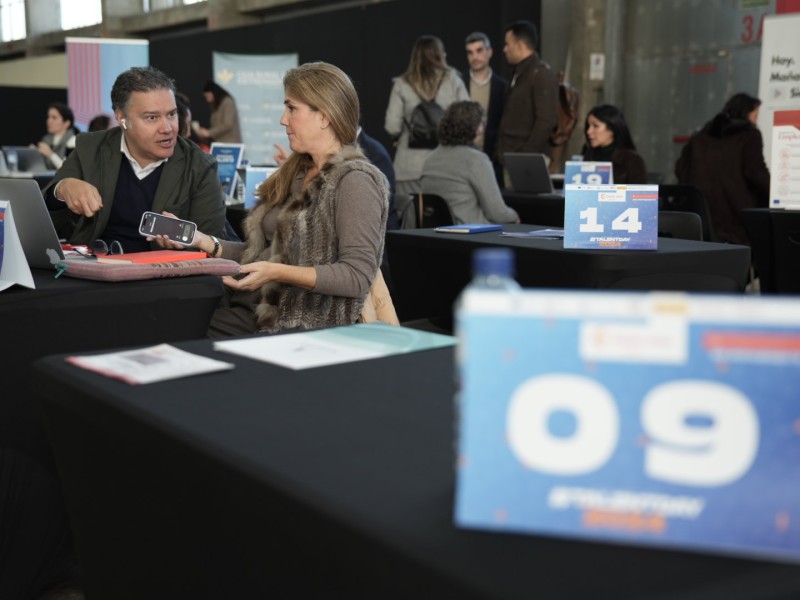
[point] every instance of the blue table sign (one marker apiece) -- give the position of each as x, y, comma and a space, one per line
229, 157
588, 172
661, 419
253, 177
617, 217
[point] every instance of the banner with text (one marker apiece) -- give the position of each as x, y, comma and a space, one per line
779, 76
256, 83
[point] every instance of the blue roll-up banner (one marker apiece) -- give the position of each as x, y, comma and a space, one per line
256, 83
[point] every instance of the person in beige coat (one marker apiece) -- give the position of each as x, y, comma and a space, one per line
427, 78
224, 116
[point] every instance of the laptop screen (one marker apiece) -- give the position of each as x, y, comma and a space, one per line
528, 172
34, 227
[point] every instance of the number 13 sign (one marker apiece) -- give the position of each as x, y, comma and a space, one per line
661, 419
616, 217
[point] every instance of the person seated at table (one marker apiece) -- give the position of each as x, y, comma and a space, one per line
608, 139
725, 160
60, 137
461, 173
113, 176
315, 238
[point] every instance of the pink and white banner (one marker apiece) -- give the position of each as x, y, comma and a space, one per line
93, 65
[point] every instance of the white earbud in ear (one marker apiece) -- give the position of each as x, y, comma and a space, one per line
124, 123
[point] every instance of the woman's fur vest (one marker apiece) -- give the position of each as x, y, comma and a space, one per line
306, 235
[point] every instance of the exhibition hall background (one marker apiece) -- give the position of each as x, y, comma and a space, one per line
371, 43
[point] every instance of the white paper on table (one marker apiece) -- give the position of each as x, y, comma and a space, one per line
148, 365
335, 345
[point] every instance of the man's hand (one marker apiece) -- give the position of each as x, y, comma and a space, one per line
280, 155
80, 197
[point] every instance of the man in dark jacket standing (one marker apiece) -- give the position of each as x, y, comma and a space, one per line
488, 89
531, 109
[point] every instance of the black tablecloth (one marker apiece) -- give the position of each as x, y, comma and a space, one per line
430, 269
68, 315
333, 482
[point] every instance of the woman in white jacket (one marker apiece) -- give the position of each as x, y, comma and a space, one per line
427, 78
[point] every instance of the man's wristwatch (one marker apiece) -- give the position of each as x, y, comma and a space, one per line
215, 251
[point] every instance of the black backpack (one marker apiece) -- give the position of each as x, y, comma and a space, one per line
423, 123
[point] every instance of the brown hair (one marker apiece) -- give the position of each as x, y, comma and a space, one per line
427, 66
324, 88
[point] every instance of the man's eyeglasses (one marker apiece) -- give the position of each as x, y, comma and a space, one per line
101, 248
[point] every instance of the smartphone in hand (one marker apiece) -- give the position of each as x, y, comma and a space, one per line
177, 230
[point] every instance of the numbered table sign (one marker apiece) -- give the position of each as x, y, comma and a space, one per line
617, 217
588, 172
660, 419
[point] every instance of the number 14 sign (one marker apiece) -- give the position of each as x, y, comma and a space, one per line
616, 217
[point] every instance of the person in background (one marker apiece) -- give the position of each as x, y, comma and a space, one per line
60, 137
314, 239
463, 175
99, 123
608, 139
530, 114
488, 89
224, 116
428, 77
725, 160
113, 176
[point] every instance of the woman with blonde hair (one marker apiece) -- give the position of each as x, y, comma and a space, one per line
314, 240
427, 78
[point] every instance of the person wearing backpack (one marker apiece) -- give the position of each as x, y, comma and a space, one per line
418, 99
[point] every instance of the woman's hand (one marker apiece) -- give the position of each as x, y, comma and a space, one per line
254, 275
44, 149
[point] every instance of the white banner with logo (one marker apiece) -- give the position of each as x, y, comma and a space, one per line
256, 83
779, 77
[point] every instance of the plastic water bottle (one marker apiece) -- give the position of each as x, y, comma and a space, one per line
493, 269
12, 160
493, 287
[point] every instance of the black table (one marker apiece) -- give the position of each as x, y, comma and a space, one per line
336, 482
537, 209
430, 269
69, 315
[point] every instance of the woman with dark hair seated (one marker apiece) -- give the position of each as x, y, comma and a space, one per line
460, 173
608, 139
60, 137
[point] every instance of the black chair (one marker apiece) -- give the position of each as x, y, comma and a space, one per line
687, 198
680, 225
432, 211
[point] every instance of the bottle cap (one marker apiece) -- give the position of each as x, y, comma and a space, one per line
493, 261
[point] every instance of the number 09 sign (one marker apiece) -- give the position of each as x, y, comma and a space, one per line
650, 418
615, 217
